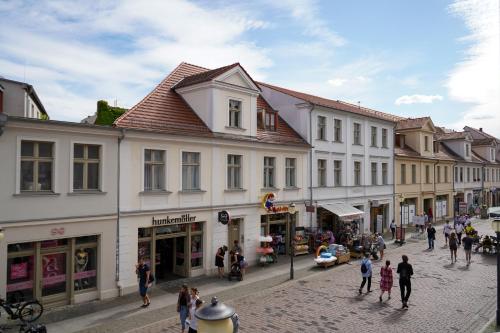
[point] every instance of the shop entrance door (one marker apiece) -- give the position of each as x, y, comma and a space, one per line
233, 230
54, 277
170, 262
180, 256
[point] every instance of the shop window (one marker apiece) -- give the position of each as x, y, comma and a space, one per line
36, 166
53, 274
144, 232
53, 243
277, 217
196, 251
85, 276
197, 226
20, 274
170, 229
179, 251
144, 251
20, 247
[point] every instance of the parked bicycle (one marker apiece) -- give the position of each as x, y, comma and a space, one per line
27, 312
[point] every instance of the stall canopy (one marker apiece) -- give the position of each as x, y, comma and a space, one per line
344, 211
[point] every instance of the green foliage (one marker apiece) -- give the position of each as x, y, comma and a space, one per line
106, 114
44, 116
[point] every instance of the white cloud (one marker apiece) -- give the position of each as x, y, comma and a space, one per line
418, 99
75, 55
475, 80
337, 82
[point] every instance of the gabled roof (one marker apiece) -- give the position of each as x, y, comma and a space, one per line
30, 90
412, 123
479, 134
452, 136
338, 105
484, 142
164, 110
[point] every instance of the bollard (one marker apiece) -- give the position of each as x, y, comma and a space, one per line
217, 318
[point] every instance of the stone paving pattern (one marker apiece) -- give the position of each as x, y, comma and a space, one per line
445, 298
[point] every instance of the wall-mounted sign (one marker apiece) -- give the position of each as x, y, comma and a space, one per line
186, 218
268, 204
310, 209
224, 217
57, 231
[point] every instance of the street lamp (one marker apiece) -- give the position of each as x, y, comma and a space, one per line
291, 211
401, 199
495, 224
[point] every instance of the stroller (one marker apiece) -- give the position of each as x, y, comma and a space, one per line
237, 261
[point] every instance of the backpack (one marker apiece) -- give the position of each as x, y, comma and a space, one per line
364, 267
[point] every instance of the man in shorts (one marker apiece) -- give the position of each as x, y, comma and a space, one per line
143, 273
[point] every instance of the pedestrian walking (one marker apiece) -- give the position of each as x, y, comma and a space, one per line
468, 240
446, 232
366, 273
237, 248
193, 321
219, 260
183, 302
453, 246
381, 245
144, 274
405, 271
431, 236
385, 280
459, 228
393, 228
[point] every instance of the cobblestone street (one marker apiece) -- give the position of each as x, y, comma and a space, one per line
445, 297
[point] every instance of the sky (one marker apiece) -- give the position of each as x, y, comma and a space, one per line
410, 58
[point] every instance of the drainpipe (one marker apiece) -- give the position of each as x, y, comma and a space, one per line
434, 183
120, 138
310, 165
453, 186
483, 174
394, 173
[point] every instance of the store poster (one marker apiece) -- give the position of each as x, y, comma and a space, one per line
19, 271
53, 268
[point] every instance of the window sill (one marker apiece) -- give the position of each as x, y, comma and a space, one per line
385, 147
191, 191
338, 141
235, 190
36, 194
269, 189
158, 192
373, 146
241, 129
86, 193
357, 144
323, 140
291, 188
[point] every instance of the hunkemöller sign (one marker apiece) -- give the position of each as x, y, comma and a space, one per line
186, 218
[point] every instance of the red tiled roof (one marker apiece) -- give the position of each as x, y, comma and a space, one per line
411, 123
284, 133
165, 111
203, 76
339, 105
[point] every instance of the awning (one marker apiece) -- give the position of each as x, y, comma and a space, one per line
344, 211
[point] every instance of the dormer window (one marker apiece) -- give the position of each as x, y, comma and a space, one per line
270, 120
467, 150
234, 113
436, 147
426, 143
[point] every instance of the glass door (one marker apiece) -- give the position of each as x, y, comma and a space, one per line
180, 256
54, 276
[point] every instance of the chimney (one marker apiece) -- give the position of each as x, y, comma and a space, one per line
480, 129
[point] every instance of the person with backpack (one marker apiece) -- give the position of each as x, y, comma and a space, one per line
405, 271
431, 236
366, 273
385, 280
145, 279
453, 246
183, 302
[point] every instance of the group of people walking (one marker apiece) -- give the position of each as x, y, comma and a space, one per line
453, 238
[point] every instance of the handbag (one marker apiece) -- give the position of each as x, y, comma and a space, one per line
385, 246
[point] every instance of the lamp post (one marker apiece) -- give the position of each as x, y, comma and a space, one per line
495, 224
291, 211
401, 201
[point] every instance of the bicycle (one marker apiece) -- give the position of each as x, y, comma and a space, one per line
27, 312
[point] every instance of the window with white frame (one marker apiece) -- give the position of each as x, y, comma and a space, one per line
385, 174
467, 150
337, 130
154, 170
190, 171
86, 161
290, 165
426, 143
374, 136
384, 138
234, 113
269, 175
270, 120
357, 173
37, 160
337, 172
321, 173
234, 172
374, 173
356, 133
321, 128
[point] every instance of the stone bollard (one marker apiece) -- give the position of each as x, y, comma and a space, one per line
217, 318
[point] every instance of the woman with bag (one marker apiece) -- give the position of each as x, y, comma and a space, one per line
385, 280
183, 303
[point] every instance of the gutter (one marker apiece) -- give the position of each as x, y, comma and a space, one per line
118, 176
310, 164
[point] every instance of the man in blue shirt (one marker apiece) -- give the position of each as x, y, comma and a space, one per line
366, 273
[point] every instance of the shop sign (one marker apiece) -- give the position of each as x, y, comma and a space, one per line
186, 218
462, 207
224, 217
268, 204
57, 231
310, 209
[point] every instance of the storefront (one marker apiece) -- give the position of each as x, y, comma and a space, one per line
62, 269
441, 211
175, 243
379, 216
341, 219
279, 227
